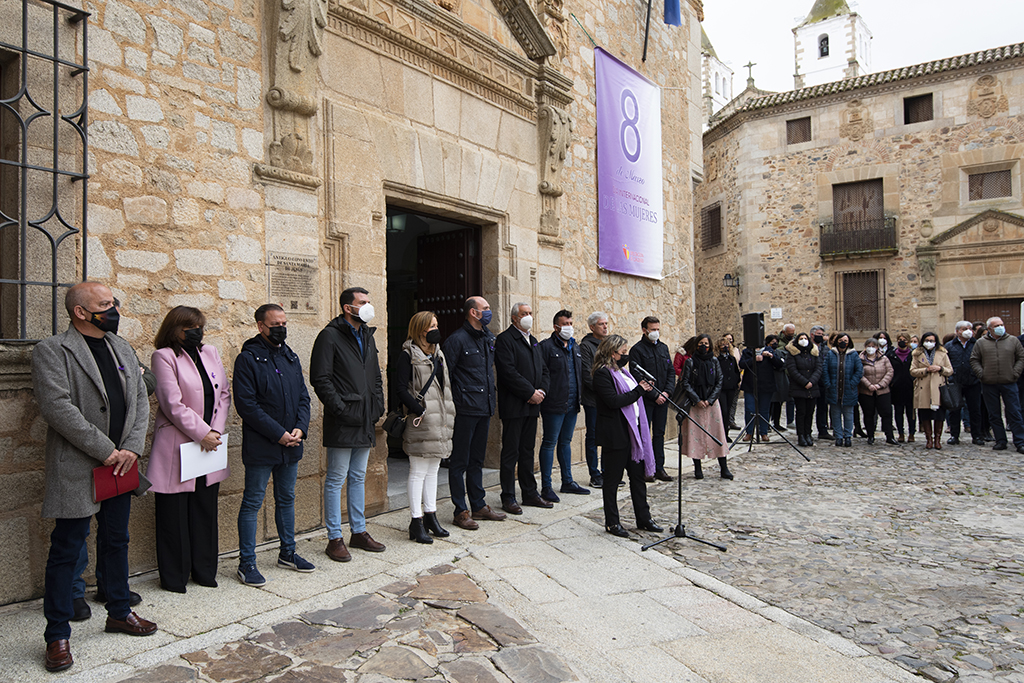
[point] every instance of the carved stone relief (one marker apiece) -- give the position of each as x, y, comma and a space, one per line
553, 19
554, 128
926, 266
856, 121
986, 98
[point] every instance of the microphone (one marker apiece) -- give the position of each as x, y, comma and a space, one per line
646, 375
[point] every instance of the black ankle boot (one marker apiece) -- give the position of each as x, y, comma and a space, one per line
417, 532
431, 524
698, 471
724, 465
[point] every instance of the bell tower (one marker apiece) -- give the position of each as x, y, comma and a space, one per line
831, 44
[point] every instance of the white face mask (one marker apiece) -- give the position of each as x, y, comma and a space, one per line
883, 343
565, 332
526, 322
870, 350
999, 331
929, 345
804, 343
653, 335
967, 334
365, 312
913, 345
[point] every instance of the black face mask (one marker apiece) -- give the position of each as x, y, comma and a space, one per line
818, 339
277, 335
902, 344
703, 350
433, 337
623, 361
193, 338
774, 345
841, 344
107, 320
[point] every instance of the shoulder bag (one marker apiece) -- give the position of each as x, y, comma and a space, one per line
394, 423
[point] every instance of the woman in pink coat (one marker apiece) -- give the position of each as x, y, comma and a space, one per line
193, 395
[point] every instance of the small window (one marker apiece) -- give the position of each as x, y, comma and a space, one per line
823, 46
798, 130
711, 227
859, 300
991, 185
917, 109
718, 84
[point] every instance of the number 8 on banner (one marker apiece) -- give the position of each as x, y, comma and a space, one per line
629, 123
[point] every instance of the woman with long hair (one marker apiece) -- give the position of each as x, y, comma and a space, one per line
425, 390
804, 365
930, 367
622, 433
702, 385
902, 387
842, 374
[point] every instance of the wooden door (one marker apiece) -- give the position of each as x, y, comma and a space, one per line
1007, 309
447, 273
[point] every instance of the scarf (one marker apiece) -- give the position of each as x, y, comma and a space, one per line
930, 355
903, 354
703, 373
641, 449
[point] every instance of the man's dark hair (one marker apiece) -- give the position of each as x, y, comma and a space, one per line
648, 320
349, 295
469, 305
561, 314
261, 312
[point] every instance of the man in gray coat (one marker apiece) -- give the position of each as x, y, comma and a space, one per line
90, 391
998, 361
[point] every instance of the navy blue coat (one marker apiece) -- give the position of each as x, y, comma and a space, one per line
271, 398
960, 359
853, 370
470, 355
557, 357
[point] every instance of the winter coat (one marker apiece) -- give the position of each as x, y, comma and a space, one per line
877, 370
730, 371
348, 383
656, 360
520, 369
612, 428
997, 361
432, 438
803, 365
902, 386
588, 347
926, 384
765, 372
270, 398
690, 393
179, 418
841, 382
960, 359
781, 394
470, 356
557, 356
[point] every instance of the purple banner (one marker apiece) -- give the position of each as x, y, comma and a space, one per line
630, 203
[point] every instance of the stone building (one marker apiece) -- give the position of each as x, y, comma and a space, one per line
716, 79
241, 151
888, 201
830, 44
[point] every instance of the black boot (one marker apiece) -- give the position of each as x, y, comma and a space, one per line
810, 440
801, 440
431, 524
698, 472
724, 466
417, 532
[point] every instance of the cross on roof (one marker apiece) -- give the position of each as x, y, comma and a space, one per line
749, 66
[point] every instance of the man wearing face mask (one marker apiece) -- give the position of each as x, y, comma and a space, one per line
345, 374
960, 348
522, 386
822, 410
561, 407
273, 403
998, 361
90, 391
654, 357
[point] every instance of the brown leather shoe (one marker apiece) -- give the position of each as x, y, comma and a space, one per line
133, 625
662, 475
487, 513
534, 500
509, 505
337, 551
58, 655
464, 521
364, 541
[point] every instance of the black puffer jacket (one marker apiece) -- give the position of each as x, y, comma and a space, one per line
803, 365
960, 359
470, 356
348, 383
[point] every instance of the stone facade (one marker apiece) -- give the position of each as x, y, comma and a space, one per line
226, 135
950, 244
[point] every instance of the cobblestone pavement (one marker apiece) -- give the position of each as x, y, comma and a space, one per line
915, 554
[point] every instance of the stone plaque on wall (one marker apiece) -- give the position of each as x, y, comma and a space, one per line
291, 282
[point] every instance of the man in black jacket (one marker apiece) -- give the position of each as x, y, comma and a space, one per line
960, 348
345, 375
273, 403
470, 353
522, 386
653, 356
598, 323
561, 407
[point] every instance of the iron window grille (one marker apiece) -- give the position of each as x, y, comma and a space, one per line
711, 227
43, 163
989, 185
860, 300
918, 109
798, 130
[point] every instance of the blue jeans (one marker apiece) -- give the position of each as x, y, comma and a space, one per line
842, 420
764, 405
345, 465
256, 478
590, 440
1011, 399
66, 544
78, 587
558, 429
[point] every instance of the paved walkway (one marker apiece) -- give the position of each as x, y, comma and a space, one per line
544, 597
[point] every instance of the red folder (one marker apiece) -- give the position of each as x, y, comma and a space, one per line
107, 485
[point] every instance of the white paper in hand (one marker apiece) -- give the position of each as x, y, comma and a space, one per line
195, 462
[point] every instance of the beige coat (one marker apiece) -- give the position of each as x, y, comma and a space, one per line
433, 437
926, 384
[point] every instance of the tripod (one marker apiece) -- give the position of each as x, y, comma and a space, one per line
749, 427
679, 530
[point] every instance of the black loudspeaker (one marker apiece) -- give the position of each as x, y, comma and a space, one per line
753, 330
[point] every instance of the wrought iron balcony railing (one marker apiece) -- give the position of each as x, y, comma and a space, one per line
852, 238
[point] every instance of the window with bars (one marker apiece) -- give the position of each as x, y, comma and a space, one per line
43, 163
860, 300
917, 109
823, 45
989, 185
711, 227
798, 130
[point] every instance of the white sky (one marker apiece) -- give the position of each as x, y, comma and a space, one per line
906, 32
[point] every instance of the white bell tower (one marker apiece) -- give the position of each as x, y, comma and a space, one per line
833, 43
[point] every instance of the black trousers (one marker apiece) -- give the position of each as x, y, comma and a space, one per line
877, 404
905, 409
518, 439
657, 418
972, 399
822, 414
727, 401
613, 463
466, 465
805, 414
186, 536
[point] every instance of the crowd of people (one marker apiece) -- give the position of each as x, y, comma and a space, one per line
93, 393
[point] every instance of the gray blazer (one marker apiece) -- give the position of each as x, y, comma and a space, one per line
72, 400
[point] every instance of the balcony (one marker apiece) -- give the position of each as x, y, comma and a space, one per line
853, 239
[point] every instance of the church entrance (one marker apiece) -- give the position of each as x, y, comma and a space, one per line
1007, 309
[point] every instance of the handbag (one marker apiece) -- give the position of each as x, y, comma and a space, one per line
951, 397
394, 423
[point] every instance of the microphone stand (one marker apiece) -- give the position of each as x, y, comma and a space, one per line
679, 531
757, 417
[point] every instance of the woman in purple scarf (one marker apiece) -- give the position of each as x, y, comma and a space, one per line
622, 433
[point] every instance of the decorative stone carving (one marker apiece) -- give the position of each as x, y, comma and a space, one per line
986, 98
990, 226
524, 24
926, 266
856, 121
302, 28
711, 167
553, 19
554, 128
927, 229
